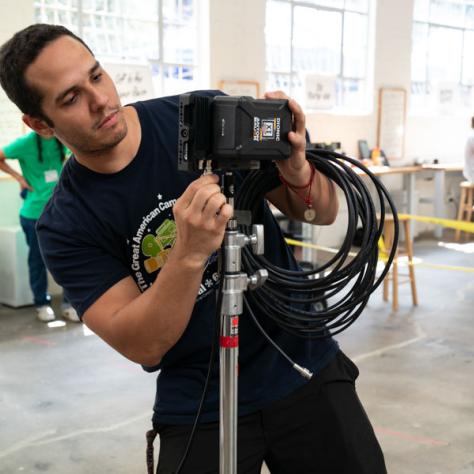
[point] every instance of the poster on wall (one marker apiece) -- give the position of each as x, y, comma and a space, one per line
133, 81
447, 98
240, 88
320, 92
391, 123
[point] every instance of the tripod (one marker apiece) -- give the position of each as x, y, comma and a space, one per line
235, 283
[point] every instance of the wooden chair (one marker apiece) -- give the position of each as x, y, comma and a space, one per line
402, 250
466, 205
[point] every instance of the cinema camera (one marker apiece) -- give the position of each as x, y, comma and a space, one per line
229, 133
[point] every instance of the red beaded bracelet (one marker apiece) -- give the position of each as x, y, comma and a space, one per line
309, 213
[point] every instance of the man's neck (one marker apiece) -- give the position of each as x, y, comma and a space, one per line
121, 155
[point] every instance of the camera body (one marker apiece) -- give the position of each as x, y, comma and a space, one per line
228, 133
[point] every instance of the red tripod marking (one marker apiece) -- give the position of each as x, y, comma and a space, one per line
229, 342
37, 340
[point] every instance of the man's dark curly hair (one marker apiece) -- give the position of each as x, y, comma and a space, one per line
15, 57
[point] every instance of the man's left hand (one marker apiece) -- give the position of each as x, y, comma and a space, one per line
296, 169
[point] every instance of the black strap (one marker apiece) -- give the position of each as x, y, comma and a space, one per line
150, 438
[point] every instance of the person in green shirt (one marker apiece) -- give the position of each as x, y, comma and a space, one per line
41, 161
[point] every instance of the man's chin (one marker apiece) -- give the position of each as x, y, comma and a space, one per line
100, 147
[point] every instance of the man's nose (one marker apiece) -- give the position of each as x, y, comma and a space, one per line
98, 100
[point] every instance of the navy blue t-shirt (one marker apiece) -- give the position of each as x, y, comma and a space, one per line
100, 228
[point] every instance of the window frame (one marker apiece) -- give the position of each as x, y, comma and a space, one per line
428, 106
341, 108
157, 63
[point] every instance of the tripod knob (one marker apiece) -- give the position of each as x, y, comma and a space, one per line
257, 279
257, 240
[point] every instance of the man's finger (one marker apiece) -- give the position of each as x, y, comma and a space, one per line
299, 117
213, 206
202, 197
188, 195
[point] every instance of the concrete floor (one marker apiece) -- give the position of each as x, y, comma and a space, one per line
70, 404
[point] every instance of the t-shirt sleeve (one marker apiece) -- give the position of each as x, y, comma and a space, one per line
19, 148
85, 271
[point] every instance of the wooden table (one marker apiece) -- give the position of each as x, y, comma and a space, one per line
409, 182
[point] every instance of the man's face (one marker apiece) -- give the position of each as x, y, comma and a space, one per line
79, 97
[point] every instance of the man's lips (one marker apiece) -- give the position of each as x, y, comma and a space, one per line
109, 119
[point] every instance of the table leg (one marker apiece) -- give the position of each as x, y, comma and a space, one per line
409, 184
439, 178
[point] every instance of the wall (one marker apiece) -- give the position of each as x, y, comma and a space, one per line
14, 16
237, 51
237, 40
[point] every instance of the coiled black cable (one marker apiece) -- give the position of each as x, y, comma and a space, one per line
289, 297
286, 295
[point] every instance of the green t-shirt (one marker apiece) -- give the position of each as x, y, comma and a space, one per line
41, 176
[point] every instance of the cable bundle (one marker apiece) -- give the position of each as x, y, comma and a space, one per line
289, 297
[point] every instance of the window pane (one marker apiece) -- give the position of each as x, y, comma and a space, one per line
447, 12
468, 59
317, 41
353, 93
444, 63
470, 16
177, 79
419, 52
355, 45
278, 81
328, 3
421, 10
178, 44
180, 32
357, 5
178, 11
278, 36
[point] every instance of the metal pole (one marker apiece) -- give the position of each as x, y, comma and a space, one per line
229, 352
234, 284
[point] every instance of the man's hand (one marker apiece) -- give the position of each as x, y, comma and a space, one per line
24, 184
317, 193
201, 215
296, 169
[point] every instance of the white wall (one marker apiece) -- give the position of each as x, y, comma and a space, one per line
237, 40
237, 51
14, 15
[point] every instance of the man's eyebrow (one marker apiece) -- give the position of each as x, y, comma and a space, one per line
63, 94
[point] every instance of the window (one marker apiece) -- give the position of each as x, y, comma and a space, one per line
323, 37
161, 32
442, 60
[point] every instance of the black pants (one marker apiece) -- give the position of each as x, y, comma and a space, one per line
321, 428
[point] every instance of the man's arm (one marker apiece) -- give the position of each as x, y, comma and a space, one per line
296, 170
9, 170
144, 326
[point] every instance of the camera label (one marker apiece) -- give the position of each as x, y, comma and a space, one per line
266, 129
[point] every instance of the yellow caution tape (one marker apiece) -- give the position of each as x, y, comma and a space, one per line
382, 256
446, 267
453, 224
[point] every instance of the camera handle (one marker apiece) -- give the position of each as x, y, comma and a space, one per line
234, 284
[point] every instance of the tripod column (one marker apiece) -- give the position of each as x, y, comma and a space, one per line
234, 284
229, 338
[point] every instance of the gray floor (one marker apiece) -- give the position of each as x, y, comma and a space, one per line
69, 404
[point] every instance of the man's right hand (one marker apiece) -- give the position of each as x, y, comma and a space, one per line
144, 326
24, 184
201, 215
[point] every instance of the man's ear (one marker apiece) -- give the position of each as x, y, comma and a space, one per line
38, 125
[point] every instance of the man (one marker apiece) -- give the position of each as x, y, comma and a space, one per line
41, 161
133, 242
469, 155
